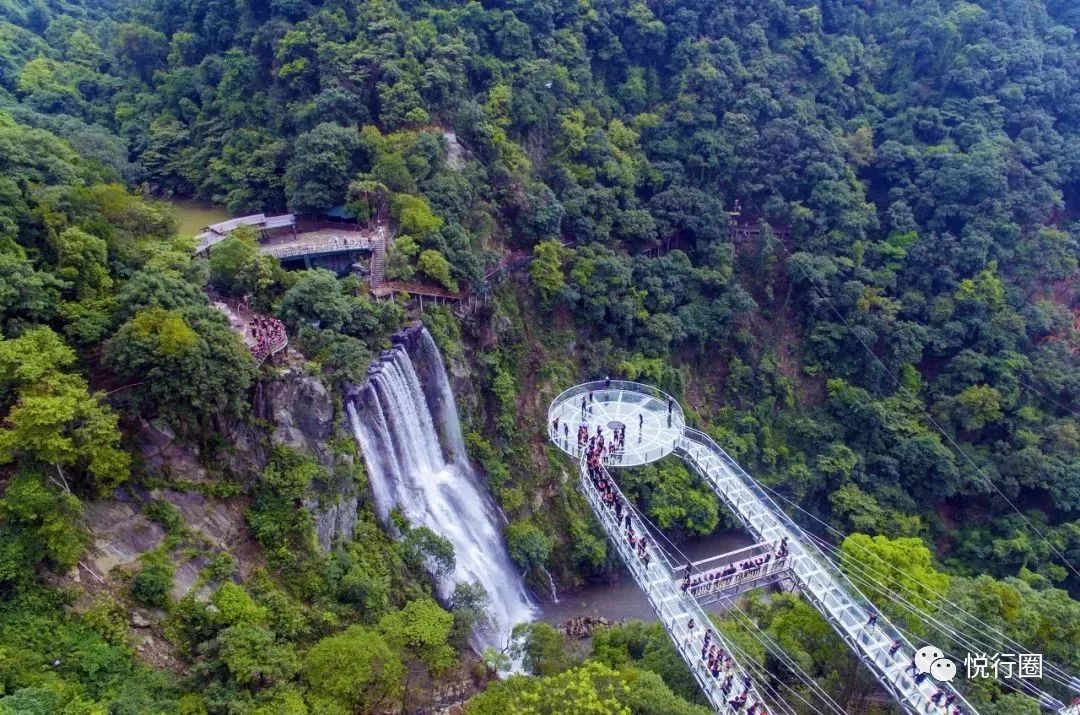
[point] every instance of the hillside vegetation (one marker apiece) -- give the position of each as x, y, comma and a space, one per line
896, 352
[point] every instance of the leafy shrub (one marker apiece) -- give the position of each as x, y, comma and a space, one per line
151, 584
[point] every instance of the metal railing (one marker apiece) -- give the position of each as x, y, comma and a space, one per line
819, 579
602, 391
315, 248
600, 386
571, 447
672, 606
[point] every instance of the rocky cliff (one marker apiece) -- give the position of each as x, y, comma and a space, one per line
291, 407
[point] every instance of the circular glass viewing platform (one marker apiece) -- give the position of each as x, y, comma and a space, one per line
653, 420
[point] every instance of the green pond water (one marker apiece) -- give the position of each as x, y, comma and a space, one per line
192, 216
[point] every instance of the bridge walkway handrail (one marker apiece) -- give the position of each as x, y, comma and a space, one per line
673, 607
766, 572
844, 606
598, 386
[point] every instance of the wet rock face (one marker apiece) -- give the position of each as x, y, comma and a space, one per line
302, 412
121, 534
333, 521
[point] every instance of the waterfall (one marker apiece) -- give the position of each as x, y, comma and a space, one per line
551, 583
411, 440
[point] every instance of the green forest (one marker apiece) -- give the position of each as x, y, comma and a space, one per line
896, 352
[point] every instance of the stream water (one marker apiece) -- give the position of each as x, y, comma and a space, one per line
624, 600
192, 216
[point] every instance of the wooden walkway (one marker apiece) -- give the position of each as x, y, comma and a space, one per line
389, 288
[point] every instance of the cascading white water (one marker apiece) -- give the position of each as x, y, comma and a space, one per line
416, 460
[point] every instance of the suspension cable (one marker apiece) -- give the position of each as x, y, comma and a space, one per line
966, 618
973, 644
774, 648
957, 609
764, 677
1041, 695
779, 703
863, 574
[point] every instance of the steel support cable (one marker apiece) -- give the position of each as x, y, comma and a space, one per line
927, 414
795, 529
774, 648
775, 700
1048, 398
747, 666
953, 442
869, 573
630, 504
989, 642
686, 559
968, 619
747, 663
1040, 695
868, 578
957, 637
733, 471
764, 679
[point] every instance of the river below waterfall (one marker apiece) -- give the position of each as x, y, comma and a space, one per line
624, 601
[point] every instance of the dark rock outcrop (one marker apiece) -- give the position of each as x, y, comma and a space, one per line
583, 626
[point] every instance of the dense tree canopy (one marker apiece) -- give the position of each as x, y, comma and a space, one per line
845, 235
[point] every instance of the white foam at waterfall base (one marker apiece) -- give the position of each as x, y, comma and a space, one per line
437, 487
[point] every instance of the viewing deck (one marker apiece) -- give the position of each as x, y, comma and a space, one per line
662, 432
318, 243
652, 430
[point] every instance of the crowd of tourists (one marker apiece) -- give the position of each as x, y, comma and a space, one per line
603, 448
723, 576
715, 660
610, 496
718, 663
268, 334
